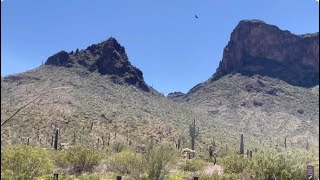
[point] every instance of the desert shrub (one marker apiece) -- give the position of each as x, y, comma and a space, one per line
25, 163
118, 146
231, 176
284, 165
158, 159
80, 158
234, 163
127, 162
175, 177
193, 165
89, 177
61, 176
178, 175
151, 165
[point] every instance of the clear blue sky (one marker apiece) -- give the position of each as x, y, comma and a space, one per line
162, 38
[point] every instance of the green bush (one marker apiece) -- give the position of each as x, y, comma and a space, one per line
79, 158
179, 175
25, 163
61, 176
127, 162
234, 163
158, 159
193, 165
284, 165
175, 177
89, 177
151, 165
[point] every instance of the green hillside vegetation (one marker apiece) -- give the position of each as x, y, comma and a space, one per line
26, 162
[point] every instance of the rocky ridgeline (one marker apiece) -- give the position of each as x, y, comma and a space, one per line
106, 58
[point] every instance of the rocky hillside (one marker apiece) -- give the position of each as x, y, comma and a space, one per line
89, 94
265, 87
267, 84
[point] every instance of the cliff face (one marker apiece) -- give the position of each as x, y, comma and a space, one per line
108, 57
258, 48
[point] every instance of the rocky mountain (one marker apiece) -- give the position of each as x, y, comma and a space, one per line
108, 57
267, 84
259, 48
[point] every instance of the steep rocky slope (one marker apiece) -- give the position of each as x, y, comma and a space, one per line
267, 84
88, 94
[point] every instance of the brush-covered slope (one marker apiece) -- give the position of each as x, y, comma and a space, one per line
267, 84
260, 107
88, 94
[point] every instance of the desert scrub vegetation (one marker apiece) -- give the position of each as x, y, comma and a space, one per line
230, 176
193, 165
284, 165
154, 164
79, 159
23, 163
127, 162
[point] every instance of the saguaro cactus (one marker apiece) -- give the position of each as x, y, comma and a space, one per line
56, 139
179, 144
52, 140
74, 138
285, 143
241, 144
194, 132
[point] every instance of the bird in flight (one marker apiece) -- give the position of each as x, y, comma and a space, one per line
195, 16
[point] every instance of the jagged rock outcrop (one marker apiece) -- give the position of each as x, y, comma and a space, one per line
107, 58
258, 48
176, 96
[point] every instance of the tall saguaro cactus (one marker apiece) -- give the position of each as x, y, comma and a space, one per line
285, 143
56, 139
241, 144
194, 132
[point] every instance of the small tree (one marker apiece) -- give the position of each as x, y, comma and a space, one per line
158, 159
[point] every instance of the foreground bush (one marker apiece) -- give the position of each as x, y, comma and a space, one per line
151, 165
193, 165
283, 165
79, 158
232, 176
158, 160
127, 162
234, 163
25, 163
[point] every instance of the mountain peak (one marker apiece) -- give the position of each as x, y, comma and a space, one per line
106, 58
259, 48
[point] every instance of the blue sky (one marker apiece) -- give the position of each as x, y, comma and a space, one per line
174, 50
